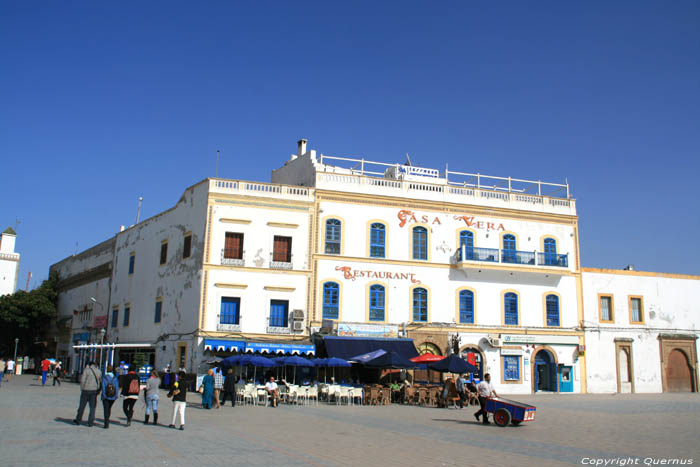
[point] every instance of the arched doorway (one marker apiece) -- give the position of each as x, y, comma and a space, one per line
425, 375
473, 355
678, 374
545, 371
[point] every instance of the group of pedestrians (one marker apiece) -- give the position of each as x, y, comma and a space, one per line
7, 369
53, 369
214, 384
111, 386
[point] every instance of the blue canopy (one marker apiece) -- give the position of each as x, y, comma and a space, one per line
333, 362
453, 364
297, 361
390, 360
346, 347
365, 357
255, 360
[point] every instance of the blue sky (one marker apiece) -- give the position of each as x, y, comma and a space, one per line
103, 102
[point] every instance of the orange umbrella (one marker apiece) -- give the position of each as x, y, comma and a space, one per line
427, 358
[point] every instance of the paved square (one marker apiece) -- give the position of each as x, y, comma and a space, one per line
35, 429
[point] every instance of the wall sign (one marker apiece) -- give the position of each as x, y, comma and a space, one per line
367, 330
538, 339
349, 273
405, 217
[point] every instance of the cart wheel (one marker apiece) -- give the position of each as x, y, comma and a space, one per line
502, 417
515, 422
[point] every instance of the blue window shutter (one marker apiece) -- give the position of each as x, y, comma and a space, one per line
466, 238
376, 303
550, 251
377, 240
333, 229
420, 304
115, 317
132, 259
510, 306
331, 300
230, 310
420, 243
279, 313
466, 307
552, 303
159, 310
127, 310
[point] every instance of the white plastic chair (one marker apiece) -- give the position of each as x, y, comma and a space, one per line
293, 397
344, 394
355, 394
249, 393
262, 396
312, 393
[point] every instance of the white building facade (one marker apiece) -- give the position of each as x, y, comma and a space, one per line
9, 262
485, 266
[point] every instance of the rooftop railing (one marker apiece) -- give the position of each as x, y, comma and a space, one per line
255, 188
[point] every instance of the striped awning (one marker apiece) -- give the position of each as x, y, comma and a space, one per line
280, 348
223, 345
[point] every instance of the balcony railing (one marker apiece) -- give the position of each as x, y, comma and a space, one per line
518, 257
478, 254
553, 259
228, 327
280, 261
494, 255
276, 325
232, 257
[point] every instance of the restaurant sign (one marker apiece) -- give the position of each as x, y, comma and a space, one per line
367, 330
352, 274
405, 217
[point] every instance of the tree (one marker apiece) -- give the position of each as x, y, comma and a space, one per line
27, 316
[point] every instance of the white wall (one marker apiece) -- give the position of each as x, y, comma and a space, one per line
9, 264
670, 305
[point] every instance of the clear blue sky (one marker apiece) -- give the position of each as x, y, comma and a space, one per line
103, 102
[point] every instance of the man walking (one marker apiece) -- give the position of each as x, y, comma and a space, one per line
485, 391
461, 390
218, 387
2, 370
10, 369
90, 383
230, 388
45, 366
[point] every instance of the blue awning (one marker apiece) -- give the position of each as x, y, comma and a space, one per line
279, 348
348, 347
223, 345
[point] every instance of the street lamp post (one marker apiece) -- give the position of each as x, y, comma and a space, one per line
102, 330
16, 342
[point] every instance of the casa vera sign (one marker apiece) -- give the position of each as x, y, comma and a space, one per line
409, 217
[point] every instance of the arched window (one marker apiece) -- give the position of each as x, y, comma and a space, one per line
509, 248
333, 236
331, 300
420, 304
466, 307
552, 305
420, 243
376, 303
550, 251
466, 245
510, 308
377, 240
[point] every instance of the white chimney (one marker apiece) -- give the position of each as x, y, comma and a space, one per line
301, 144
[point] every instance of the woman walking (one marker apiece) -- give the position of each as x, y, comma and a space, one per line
57, 374
179, 395
152, 397
110, 392
207, 389
130, 391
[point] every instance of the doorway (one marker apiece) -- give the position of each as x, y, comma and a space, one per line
678, 375
545, 371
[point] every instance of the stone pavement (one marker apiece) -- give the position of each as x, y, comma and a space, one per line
35, 429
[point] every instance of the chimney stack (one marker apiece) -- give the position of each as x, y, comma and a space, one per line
302, 146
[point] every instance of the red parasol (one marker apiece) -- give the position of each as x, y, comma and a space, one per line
427, 358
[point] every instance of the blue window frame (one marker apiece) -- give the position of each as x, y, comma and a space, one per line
466, 239
510, 307
509, 248
511, 368
466, 307
333, 236
550, 251
377, 240
420, 304
376, 303
132, 259
552, 304
230, 312
331, 300
159, 311
279, 313
115, 317
420, 243
125, 320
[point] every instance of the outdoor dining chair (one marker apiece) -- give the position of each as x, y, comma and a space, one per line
344, 394
312, 394
422, 396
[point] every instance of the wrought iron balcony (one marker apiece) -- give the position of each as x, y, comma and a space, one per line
276, 325
228, 327
232, 257
281, 260
518, 257
553, 259
477, 254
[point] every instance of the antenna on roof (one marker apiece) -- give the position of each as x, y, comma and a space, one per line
138, 210
408, 160
217, 163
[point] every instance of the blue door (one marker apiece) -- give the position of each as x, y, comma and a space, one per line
566, 380
545, 372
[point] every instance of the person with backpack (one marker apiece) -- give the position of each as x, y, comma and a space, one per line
152, 396
130, 390
90, 383
110, 392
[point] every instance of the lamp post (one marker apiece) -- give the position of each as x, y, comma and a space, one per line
16, 342
102, 331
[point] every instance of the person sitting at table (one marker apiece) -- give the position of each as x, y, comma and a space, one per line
271, 388
395, 392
